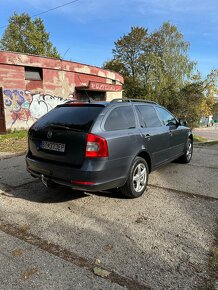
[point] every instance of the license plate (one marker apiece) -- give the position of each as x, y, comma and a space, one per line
60, 147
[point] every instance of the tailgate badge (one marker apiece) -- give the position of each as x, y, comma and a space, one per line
49, 134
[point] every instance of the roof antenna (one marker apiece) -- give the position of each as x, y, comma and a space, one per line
65, 53
90, 99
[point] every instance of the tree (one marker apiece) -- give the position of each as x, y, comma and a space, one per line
215, 112
27, 36
171, 66
156, 65
197, 98
210, 92
188, 103
126, 53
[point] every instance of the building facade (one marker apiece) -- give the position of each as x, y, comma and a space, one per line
31, 85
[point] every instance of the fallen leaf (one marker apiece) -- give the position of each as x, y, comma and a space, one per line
24, 228
97, 261
101, 272
17, 252
29, 272
140, 219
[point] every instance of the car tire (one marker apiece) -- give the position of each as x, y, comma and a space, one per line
137, 179
51, 184
187, 156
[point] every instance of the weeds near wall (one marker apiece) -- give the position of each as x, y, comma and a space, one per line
15, 142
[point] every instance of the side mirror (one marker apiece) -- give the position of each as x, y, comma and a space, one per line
182, 122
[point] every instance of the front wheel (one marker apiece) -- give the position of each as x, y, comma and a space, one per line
187, 156
137, 179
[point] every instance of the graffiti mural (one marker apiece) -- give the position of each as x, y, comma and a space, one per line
16, 105
25, 107
41, 104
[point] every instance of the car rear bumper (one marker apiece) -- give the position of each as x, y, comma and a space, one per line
93, 176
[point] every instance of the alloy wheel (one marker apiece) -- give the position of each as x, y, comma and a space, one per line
139, 177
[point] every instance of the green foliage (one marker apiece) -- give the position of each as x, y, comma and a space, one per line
27, 36
14, 135
188, 102
197, 138
15, 141
152, 64
215, 108
156, 66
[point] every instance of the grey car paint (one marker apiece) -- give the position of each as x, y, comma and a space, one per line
161, 144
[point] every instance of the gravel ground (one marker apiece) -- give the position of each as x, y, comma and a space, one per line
30, 267
160, 240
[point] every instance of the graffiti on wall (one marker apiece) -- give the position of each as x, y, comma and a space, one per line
27, 106
41, 104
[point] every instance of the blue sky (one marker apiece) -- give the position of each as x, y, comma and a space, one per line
88, 28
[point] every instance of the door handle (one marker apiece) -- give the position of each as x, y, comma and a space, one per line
147, 137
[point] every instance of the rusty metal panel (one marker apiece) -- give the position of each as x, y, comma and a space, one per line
12, 76
27, 100
56, 64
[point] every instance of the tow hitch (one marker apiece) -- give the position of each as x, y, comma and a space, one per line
44, 181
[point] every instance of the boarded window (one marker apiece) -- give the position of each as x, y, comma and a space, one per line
33, 73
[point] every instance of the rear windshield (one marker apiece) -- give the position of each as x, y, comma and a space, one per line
76, 117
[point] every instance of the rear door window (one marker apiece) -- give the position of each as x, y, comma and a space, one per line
120, 118
75, 117
148, 116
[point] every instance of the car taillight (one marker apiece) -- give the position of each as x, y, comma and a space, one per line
96, 146
82, 182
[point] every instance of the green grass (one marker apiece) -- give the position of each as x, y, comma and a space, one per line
14, 142
15, 134
197, 138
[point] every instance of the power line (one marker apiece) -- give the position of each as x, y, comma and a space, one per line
57, 7
60, 6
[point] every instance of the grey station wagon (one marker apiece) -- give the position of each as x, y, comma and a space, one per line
92, 146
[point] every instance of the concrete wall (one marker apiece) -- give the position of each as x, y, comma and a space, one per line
27, 100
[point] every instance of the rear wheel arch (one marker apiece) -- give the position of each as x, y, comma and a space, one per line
187, 156
137, 179
145, 155
190, 136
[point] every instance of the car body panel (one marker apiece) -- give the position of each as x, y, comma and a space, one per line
72, 168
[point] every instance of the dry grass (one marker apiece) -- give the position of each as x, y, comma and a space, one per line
198, 138
14, 142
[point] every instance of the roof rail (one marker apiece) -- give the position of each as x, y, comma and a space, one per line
132, 100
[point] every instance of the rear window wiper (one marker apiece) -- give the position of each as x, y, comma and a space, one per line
65, 127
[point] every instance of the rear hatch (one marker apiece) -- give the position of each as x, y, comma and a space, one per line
60, 136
